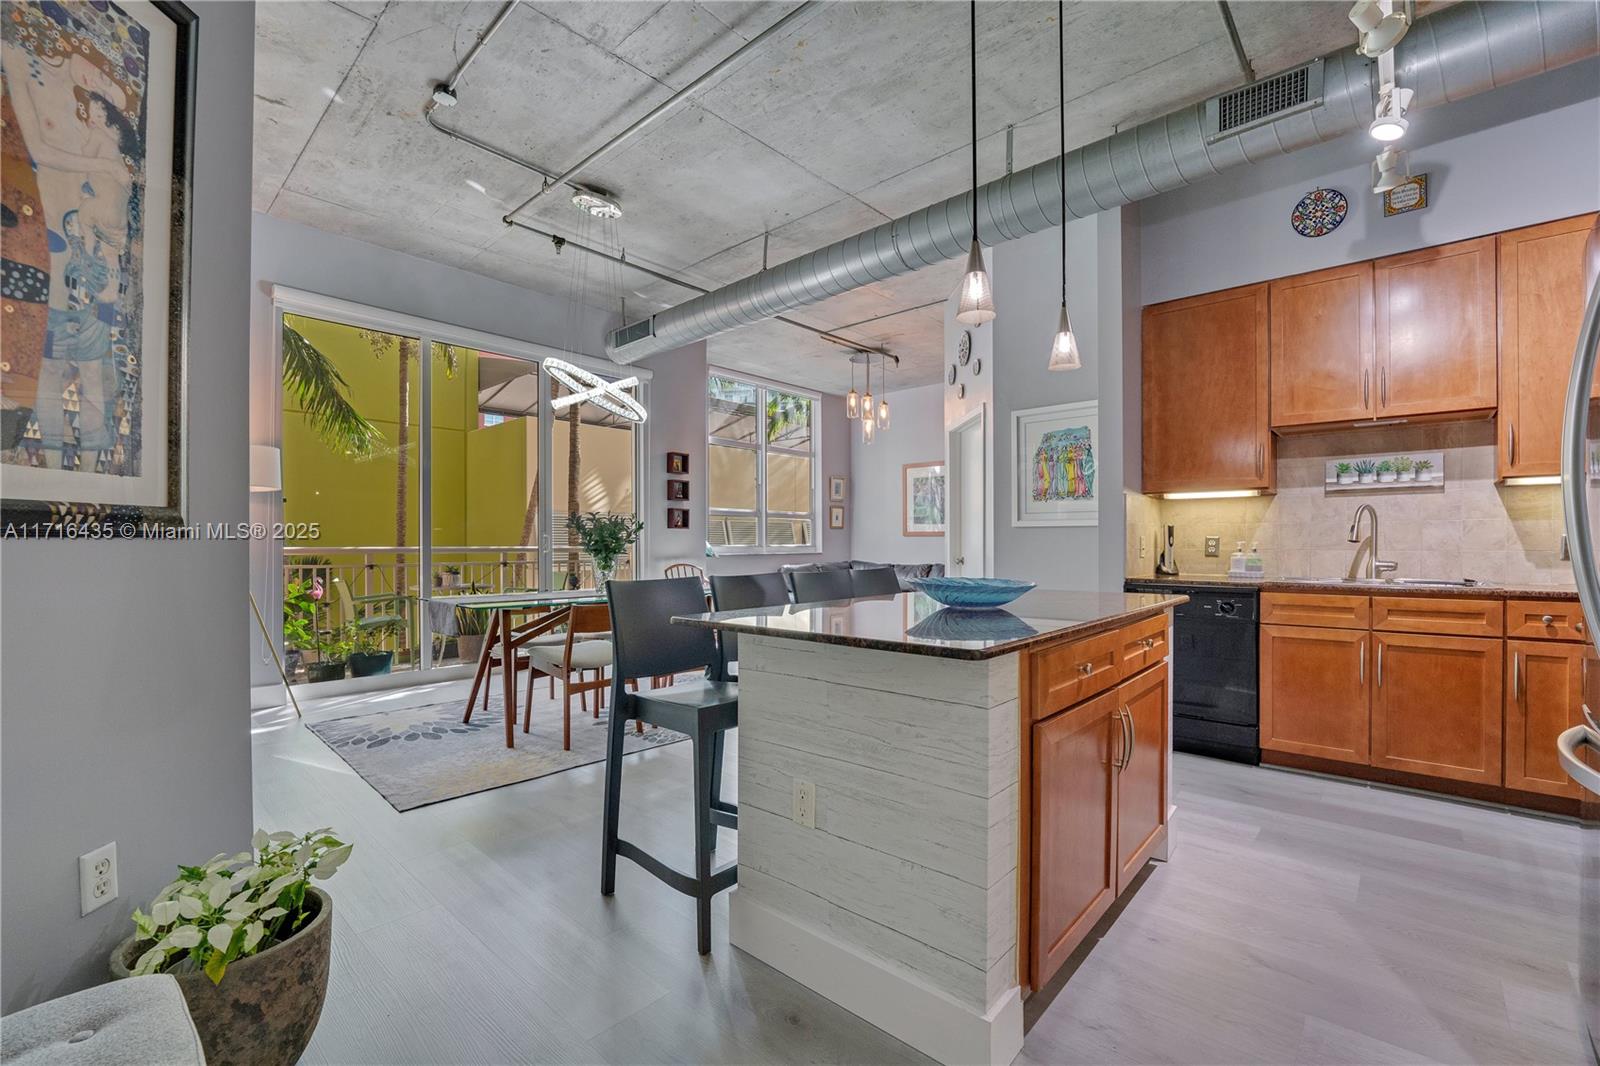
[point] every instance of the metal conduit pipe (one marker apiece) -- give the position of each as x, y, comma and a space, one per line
1466, 49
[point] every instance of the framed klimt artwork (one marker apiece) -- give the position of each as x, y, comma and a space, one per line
95, 183
835, 516
836, 488
922, 499
1055, 480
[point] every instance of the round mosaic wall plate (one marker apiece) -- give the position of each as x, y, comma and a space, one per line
1319, 212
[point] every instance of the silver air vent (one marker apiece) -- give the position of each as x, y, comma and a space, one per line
633, 331
1264, 101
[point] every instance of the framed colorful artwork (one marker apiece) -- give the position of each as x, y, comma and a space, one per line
95, 180
677, 518
922, 499
1055, 481
835, 516
836, 488
677, 490
677, 462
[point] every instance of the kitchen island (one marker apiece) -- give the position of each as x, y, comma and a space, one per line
936, 806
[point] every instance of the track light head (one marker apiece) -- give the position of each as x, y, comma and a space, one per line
1389, 119
1380, 26
1389, 170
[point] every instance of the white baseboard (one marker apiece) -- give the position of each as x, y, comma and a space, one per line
891, 998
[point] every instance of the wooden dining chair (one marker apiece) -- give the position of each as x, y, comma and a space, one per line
685, 570
586, 648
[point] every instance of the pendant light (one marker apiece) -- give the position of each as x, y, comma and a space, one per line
976, 304
868, 423
852, 402
1064, 349
883, 404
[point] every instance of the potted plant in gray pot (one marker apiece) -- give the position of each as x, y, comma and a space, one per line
247, 937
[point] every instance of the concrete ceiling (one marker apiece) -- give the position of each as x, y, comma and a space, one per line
853, 114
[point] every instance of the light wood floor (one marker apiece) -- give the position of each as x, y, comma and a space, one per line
1300, 920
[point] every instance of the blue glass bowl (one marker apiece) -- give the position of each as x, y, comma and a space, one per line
971, 593
954, 624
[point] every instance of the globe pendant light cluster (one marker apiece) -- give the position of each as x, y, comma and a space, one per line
873, 414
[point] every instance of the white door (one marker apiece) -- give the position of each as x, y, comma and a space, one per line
969, 488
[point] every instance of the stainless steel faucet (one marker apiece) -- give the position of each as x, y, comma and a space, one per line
1375, 565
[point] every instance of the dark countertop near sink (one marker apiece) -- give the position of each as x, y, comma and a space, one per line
1336, 586
914, 624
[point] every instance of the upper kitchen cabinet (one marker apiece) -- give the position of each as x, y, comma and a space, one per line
1205, 393
1435, 347
1322, 332
1541, 305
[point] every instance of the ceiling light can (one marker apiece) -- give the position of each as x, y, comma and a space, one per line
598, 203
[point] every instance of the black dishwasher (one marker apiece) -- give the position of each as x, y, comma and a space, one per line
1214, 679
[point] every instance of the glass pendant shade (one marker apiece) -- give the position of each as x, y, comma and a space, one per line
866, 406
977, 295
868, 425
883, 414
852, 403
1064, 352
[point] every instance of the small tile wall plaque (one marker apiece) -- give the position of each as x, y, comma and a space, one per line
1385, 472
1410, 195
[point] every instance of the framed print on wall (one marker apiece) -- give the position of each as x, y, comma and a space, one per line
1054, 476
677, 490
836, 488
835, 517
922, 499
95, 180
677, 462
677, 518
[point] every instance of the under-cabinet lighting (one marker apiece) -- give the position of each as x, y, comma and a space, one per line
1542, 479
1219, 494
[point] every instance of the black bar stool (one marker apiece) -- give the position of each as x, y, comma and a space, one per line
645, 643
735, 592
874, 581
818, 586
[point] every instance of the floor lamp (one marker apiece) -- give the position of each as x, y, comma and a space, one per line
266, 475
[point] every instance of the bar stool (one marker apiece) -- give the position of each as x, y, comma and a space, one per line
645, 643
819, 586
736, 592
874, 581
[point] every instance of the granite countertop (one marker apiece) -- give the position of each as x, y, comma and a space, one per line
913, 623
1338, 586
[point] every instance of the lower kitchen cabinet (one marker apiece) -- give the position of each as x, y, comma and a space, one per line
1142, 780
1314, 692
1075, 758
1544, 696
1436, 706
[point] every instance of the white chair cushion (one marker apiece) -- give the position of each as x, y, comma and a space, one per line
586, 654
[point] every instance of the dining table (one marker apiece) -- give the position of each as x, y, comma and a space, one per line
551, 608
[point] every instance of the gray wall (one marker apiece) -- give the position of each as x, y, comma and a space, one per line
301, 257
678, 424
1523, 154
122, 667
874, 514
1027, 277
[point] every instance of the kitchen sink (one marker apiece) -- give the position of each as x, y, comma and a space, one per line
1424, 582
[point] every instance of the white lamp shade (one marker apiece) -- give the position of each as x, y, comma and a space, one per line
266, 468
976, 301
1064, 351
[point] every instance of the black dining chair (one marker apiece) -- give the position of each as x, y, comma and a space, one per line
736, 592
814, 586
874, 581
645, 643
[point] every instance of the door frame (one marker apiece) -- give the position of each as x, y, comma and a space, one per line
957, 474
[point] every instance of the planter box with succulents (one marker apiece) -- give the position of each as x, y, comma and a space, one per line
1384, 473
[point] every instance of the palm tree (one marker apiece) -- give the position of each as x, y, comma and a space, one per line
316, 383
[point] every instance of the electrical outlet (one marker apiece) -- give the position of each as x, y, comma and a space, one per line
97, 877
805, 803
1213, 547
1141, 546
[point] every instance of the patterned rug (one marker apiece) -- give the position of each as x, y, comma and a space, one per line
415, 756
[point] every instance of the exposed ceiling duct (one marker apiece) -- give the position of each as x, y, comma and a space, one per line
1466, 49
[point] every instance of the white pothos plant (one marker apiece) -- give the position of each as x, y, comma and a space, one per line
236, 906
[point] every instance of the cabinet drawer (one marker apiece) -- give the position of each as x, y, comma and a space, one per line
1143, 643
1314, 609
1445, 615
1545, 620
1065, 675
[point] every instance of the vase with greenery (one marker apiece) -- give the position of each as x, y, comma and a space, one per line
247, 937
605, 538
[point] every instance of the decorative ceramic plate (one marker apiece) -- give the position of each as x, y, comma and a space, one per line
1319, 212
964, 347
971, 592
952, 374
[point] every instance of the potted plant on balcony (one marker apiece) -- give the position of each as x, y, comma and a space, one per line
333, 648
1367, 471
247, 937
1344, 473
368, 656
299, 621
605, 538
448, 577
1386, 471
471, 623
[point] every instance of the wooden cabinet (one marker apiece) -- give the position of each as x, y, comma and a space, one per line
1142, 779
1074, 875
1542, 294
1435, 348
1314, 691
1143, 644
1544, 695
1205, 393
1545, 620
1436, 706
1459, 616
1069, 673
1322, 355
1315, 609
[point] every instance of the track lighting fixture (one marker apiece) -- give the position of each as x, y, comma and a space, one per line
1389, 170
1389, 121
1380, 25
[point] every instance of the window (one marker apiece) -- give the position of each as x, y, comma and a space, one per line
762, 456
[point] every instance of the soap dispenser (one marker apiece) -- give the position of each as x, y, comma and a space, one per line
1236, 562
1253, 564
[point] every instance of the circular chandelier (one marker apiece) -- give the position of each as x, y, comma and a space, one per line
584, 386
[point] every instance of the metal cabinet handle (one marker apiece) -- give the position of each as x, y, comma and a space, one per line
1516, 674
1511, 444
1567, 745
1548, 619
1363, 660
1366, 387
1383, 391
1261, 459
1126, 721
1380, 664
1086, 669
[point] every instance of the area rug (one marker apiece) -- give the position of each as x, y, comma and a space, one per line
415, 756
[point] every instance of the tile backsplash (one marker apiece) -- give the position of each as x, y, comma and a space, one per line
1469, 528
